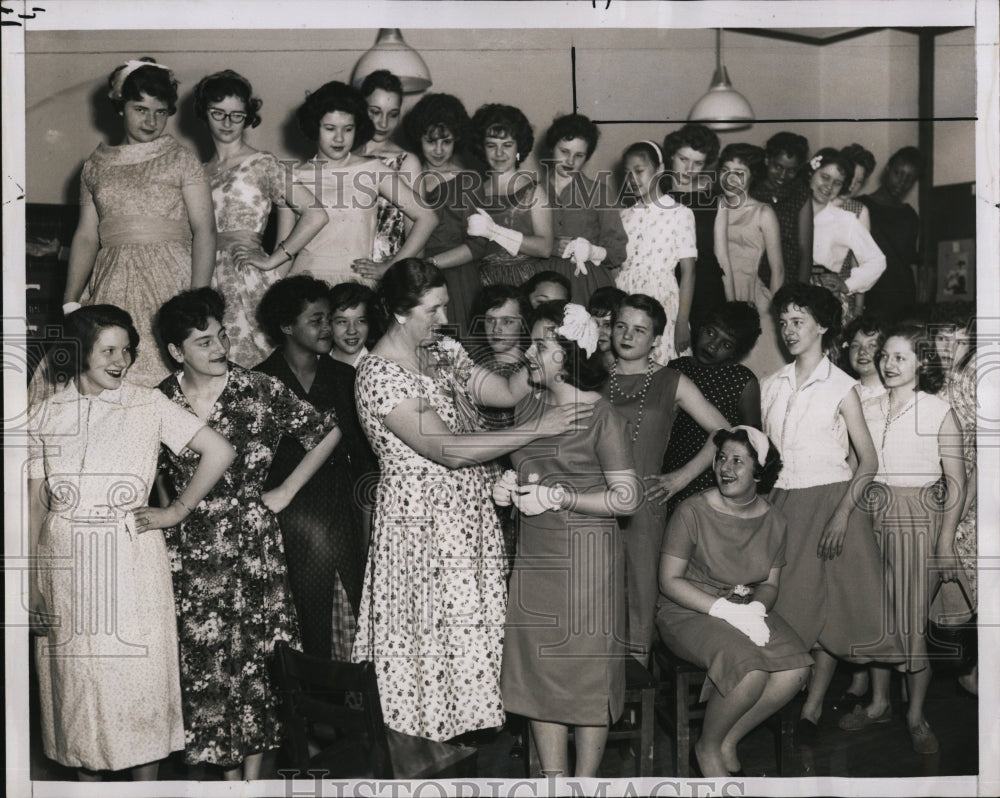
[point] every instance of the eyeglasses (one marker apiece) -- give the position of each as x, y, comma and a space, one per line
236, 117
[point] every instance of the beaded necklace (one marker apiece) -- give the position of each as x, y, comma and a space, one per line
615, 393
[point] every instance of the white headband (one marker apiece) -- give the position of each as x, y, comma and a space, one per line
115, 92
758, 440
655, 146
579, 326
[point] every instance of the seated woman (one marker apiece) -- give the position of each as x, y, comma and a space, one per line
720, 568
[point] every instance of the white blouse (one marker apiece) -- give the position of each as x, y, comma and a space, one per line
907, 442
837, 232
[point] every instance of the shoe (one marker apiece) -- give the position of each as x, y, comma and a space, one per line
924, 740
806, 732
846, 702
859, 719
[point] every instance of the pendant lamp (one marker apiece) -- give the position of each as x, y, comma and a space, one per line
722, 107
392, 53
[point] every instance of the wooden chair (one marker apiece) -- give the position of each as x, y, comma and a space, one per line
338, 704
680, 687
637, 724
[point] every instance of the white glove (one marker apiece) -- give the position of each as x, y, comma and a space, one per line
504, 487
581, 250
748, 618
536, 499
481, 224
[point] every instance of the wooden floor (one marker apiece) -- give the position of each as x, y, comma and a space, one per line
879, 752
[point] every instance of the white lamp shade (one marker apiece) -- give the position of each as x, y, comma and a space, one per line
392, 53
722, 107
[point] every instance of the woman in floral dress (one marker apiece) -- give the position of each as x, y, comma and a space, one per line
230, 586
434, 595
245, 182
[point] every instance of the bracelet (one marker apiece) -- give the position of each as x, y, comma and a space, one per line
281, 246
180, 501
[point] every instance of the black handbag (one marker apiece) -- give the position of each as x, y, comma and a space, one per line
953, 643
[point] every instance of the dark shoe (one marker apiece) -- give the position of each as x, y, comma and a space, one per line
806, 732
924, 740
859, 719
846, 702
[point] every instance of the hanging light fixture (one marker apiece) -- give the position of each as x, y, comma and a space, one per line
392, 53
722, 107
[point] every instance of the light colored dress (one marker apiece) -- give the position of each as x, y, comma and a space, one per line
145, 254
745, 248
659, 235
242, 196
349, 195
434, 595
109, 682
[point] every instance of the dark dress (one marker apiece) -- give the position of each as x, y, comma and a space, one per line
584, 210
496, 265
453, 202
650, 416
723, 551
564, 640
708, 290
321, 526
896, 229
787, 206
230, 586
722, 386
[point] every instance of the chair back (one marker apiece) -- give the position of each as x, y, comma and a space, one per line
320, 695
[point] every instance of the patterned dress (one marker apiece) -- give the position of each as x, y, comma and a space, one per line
109, 685
145, 254
960, 392
659, 235
242, 196
390, 230
230, 587
434, 597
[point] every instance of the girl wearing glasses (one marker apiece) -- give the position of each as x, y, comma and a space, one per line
146, 230
245, 183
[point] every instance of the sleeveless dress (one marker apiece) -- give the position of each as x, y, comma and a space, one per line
723, 551
230, 584
434, 594
145, 254
650, 416
896, 230
390, 228
242, 196
745, 241
349, 195
564, 645
659, 235
108, 677
496, 265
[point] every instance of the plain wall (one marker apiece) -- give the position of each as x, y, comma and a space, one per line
626, 75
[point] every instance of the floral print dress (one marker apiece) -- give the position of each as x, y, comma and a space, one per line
230, 585
390, 230
434, 597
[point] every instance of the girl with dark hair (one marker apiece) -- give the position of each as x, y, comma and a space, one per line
864, 165
919, 441
895, 227
510, 233
720, 572
589, 239
833, 585
321, 527
661, 241
721, 340
245, 183
383, 93
355, 322
146, 229
846, 259
648, 396
439, 128
347, 185
568, 490
230, 584
434, 630
746, 231
601, 305
689, 153
110, 693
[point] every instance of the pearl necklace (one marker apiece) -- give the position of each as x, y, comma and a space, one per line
615, 393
